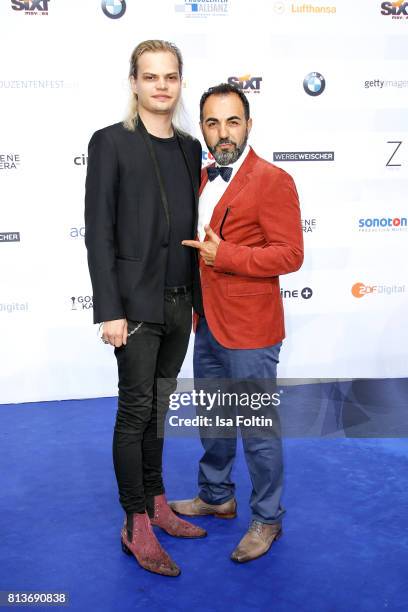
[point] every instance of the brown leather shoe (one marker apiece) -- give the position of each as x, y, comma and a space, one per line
165, 518
197, 507
137, 538
257, 541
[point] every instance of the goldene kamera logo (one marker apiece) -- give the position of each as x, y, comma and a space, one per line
309, 225
9, 161
81, 302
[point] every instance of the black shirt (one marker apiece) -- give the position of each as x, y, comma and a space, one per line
180, 197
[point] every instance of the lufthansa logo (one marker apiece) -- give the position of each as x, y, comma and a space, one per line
114, 9
314, 84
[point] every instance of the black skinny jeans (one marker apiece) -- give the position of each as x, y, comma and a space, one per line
154, 351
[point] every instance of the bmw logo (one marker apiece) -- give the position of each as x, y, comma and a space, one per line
314, 84
114, 9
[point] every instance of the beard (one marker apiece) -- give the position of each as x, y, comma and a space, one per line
224, 158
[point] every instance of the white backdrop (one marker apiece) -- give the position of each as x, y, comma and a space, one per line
63, 74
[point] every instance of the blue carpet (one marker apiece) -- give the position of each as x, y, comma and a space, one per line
345, 544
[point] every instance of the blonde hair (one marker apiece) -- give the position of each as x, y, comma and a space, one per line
131, 118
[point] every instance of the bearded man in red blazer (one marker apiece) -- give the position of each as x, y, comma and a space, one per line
249, 231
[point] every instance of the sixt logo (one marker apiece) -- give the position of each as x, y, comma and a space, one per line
397, 10
31, 7
247, 83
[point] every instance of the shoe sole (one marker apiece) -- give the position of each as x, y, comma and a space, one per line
128, 552
279, 535
228, 515
182, 537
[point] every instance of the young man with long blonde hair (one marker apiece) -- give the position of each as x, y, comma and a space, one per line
141, 202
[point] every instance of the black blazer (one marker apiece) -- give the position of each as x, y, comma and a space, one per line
127, 223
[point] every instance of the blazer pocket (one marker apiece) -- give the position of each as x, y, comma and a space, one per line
248, 288
223, 222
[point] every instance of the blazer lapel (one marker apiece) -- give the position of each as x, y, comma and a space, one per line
188, 164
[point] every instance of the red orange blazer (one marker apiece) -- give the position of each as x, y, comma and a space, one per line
258, 219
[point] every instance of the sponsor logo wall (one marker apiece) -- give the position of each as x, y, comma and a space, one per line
328, 94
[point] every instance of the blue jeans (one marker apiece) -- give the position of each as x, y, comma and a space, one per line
263, 454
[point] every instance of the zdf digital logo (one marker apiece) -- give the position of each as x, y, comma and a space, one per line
114, 9
314, 84
359, 290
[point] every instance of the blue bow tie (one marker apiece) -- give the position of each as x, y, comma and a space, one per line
224, 171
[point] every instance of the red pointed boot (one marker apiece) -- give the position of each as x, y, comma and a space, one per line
165, 518
139, 540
